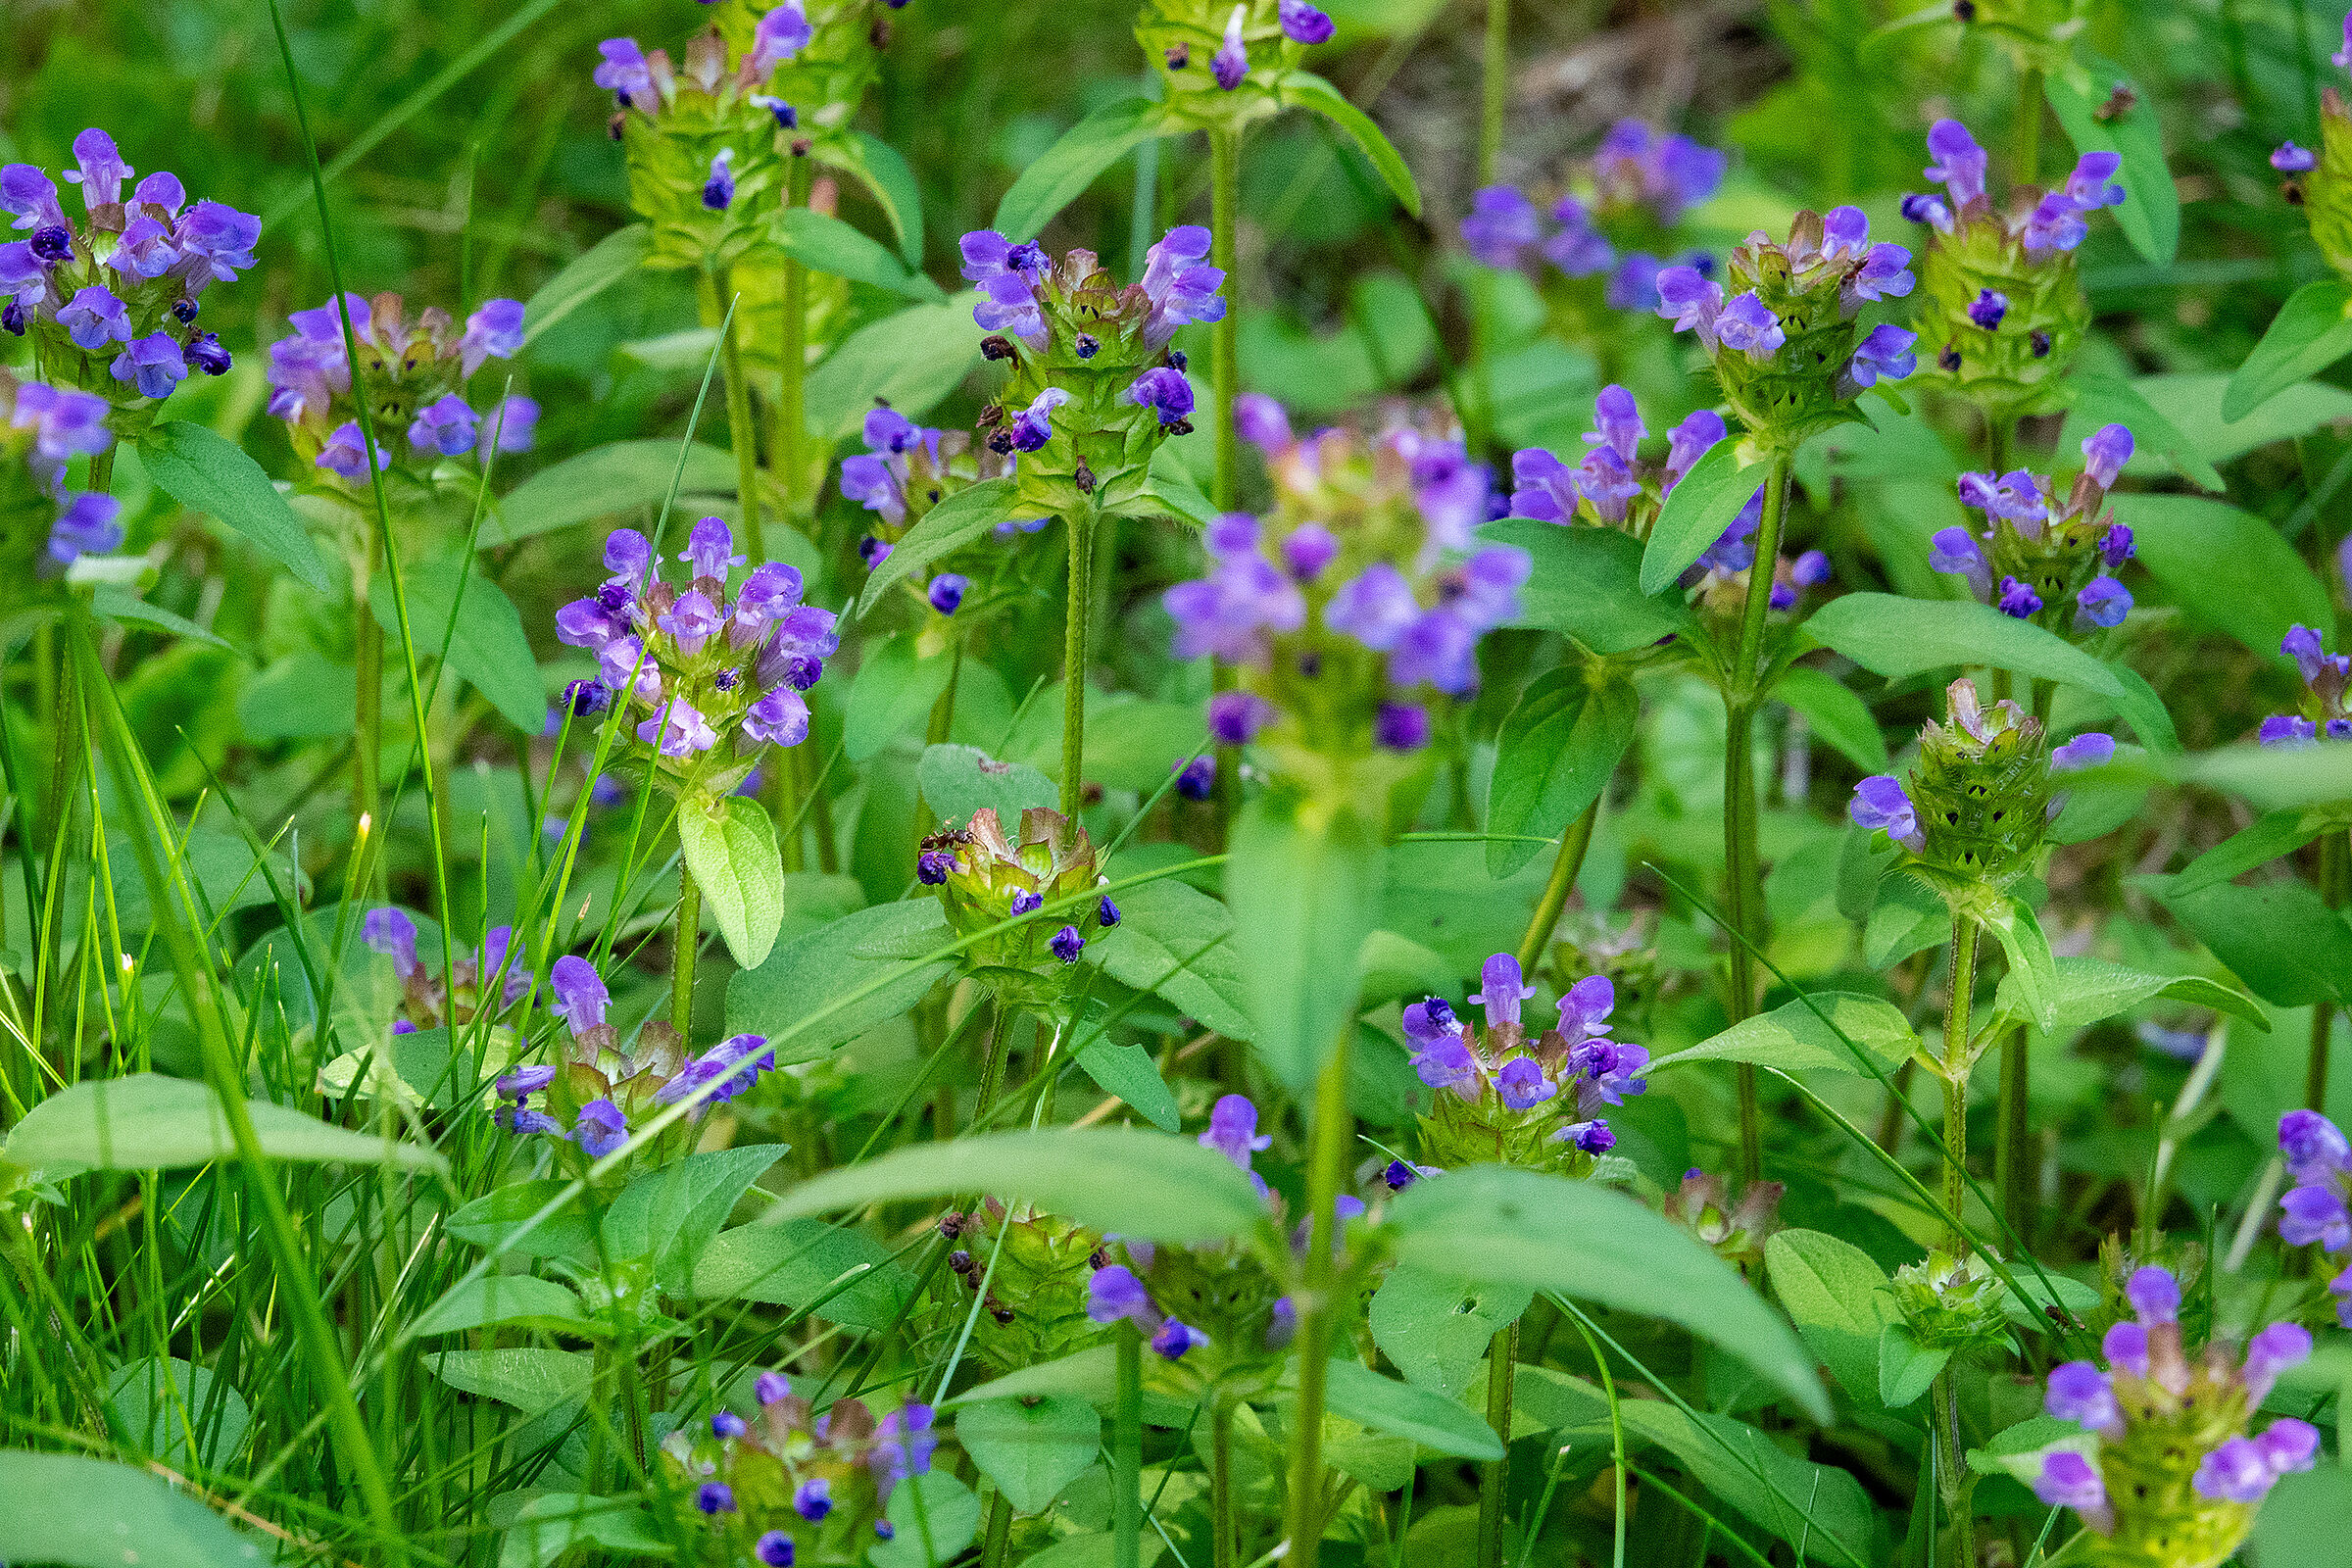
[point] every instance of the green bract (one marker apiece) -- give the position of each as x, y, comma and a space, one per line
2016, 365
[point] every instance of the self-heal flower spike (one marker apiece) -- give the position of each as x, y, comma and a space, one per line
2325, 678
2317, 1210
1971, 815
412, 370
2051, 554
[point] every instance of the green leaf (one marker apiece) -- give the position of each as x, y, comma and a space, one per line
1031, 1451
487, 648
1098, 1550
303, 696
671, 1214
2281, 938
118, 605
1436, 1329
585, 276
1587, 584
1836, 716
892, 695
824, 243
1705, 502
1554, 758
1905, 1366
2088, 990
1431, 1419
958, 780
177, 1413
513, 1299
2302, 1520
1306, 885
1821, 1507
529, 1381
731, 852
2228, 569
934, 1516
2111, 400
551, 1524
1840, 1299
2150, 216
1138, 1184
2033, 977
791, 997
604, 483
2312, 331
1129, 1072
2192, 401
1897, 638
1164, 928
884, 173
1792, 1039
95, 1513
209, 473
146, 1122
2276, 779
954, 523
910, 360
1507, 1226
1062, 174
801, 1263
1310, 91
489, 1219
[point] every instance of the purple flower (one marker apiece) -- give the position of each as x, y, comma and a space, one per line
1181, 286
1174, 1339
524, 1081
2126, 1346
1502, 990
1579, 249
1033, 427
1844, 232
1400, 726
1689, 441
580, 997
1107, 913
1448, 1063
2115, 546
1197, 780
2289, 1444
779, 718
1523, 1085
2271, 1351
1542, 486
1114, 1294
2236, 1472
1988, 307
1584, 1010
812, 1500
1233, 1130
774, 1549
727, 1424
205, 353
2083, 751
947, 590
781, 33
495, 331
2315, 1214
903, 1446
934, 866
1259, 420
1633, 284
1024, 901
102, 170
2105, 451
766, 598
2312, 1145
1066, 944
2055, 224
87, 525
1883, 352
1302, 24
1610, 1069
1428, 1020
1165, 392
447, 426
154, 362
1735, 550
2068, 1480
691, 621
2286, 730
2154, 1295
1593, 1137
1501, 227
1229, 65
1619, 422
1880, 805
1690, 302
216, 243
1749, 326
2290, 159
2089, 187
94, 317
2078, 1391
393, 934
1006, 273
1441, 648
2102, 602
1374, 608
600, 1129
1450, 489
715, 1496
718, 191
1235, 717
32, 195
624, 71
1960, 164
2018, 600
2015, 494
346, 455
1885, 271
1307, 549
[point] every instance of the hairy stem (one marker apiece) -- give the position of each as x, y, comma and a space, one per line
1077, 613
1317, 1302
681, 960
1222, 1545
1502, 1355
1742, 698
1224, 343
1955, 1077
1565, 866
999, 1532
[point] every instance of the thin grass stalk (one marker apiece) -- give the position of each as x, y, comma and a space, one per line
681, 962
1078, 612
1954, 1484
2013, 1134
1223, 1544
1743, 697
791, 425
1224, 343
1502, 1357
1317, 1301
1127, 1451
2332, 866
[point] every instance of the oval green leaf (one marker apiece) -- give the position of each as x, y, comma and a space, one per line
2312, 331
209, 473
144, 1121
1062, 174
731, 854
1703, 503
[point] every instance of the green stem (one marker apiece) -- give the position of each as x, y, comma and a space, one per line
1498, 71
1076, 614
2029, 124
740, 433
367, 762
1502, 1355
2332, 861
1317, 1302
1955, 1078
1565, 867
1742, 698
1224, 342
1956, 1547
681, 960
1222, 1545
792, 404
992, 1067
2012, 1135
999, 1532
1127, 1453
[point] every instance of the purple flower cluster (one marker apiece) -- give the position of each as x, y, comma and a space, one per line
1342, 625
2038, 551
1021, 286
1637, 185
2315, 1211
50, 426
428, 1000
414, 369
1832, 251
2325, 676
649, 84
1881, 804
703, 666
122, 291
1302, 24
1612, 477
1575, 1069
2043, 223
2149, 1405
